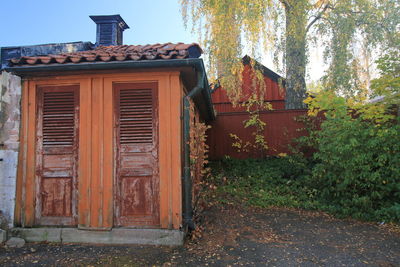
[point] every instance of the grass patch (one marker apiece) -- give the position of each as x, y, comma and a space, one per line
283, 182
263, 182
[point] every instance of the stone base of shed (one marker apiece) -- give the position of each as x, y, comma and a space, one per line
120, 236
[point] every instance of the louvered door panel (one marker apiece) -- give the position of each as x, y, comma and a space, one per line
137, 166
136, 116
57, 155
58, 119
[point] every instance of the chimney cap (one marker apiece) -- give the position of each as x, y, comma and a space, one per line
110, 19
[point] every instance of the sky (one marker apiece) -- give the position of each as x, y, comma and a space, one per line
30, 22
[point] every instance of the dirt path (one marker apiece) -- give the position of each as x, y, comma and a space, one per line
238, 236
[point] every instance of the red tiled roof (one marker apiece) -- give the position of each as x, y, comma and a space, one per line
117, 53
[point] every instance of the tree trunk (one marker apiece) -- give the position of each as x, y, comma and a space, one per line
295, 55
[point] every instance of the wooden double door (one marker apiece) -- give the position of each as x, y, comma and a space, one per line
135, 143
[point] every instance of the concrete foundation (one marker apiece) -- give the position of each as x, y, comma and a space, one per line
121, 236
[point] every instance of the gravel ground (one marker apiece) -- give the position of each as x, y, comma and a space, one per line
235, 236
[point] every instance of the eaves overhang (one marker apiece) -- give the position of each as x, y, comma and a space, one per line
204, 102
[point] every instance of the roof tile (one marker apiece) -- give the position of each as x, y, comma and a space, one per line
164, 51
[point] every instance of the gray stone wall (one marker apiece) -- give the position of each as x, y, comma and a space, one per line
10, 114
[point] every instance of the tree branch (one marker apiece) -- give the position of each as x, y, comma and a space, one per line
317, 17
285, 3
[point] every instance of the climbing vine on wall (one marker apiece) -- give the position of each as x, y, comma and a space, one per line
198, 152
258, 145
254, 104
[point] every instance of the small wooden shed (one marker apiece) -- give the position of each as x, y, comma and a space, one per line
104, 140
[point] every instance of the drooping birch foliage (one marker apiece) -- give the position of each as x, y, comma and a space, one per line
353, 33
224, 25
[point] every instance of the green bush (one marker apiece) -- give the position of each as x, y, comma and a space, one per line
354, 174
357, 158
355, 167
354, 171
358, 168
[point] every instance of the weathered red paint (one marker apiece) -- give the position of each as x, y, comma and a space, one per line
281, 125
137, 178
56, 197
281, 128
273, 93
56, 155
96, 163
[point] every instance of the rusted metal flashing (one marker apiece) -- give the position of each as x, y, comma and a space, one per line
10, 52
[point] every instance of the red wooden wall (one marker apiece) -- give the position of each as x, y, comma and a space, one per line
272, 93
281, 125
280, 130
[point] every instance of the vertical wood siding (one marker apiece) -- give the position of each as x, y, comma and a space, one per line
29, 191
96, 167
272, 93
281, 125
281, 128
21, 171
176, 148
85, 154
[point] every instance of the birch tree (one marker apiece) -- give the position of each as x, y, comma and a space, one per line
288, 27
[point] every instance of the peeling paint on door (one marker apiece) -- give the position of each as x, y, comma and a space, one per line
56, 158
137, 162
